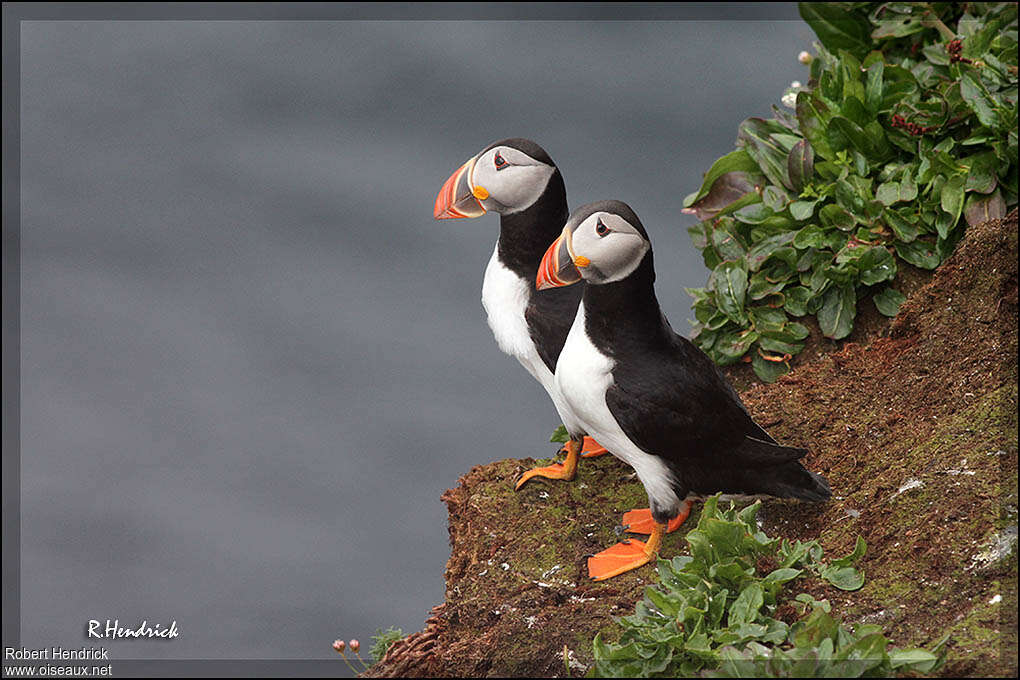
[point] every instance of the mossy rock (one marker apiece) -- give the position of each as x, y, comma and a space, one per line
916, 430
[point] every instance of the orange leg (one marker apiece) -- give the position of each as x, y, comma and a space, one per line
625, 556
565, 470
641, 522
592, 449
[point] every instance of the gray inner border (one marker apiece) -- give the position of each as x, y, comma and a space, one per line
16, 12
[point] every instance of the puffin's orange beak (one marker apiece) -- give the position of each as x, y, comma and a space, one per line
457, 198
559, 267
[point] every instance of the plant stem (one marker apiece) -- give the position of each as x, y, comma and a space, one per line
932, 21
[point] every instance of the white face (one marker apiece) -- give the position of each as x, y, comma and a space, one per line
511, 179
613, 247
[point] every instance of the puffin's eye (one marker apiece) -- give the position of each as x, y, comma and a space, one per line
500, 162
601, 229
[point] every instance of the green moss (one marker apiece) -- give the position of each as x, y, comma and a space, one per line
940, 388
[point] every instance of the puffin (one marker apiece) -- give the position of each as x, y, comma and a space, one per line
517, 179
649, 395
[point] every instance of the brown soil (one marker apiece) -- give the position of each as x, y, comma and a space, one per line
915, 425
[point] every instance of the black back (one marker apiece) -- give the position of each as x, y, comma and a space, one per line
671, 400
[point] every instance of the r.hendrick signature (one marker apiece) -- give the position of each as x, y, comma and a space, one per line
113, 630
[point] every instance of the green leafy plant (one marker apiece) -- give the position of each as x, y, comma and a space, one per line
905, 133
559, 435
715, 612
382, 640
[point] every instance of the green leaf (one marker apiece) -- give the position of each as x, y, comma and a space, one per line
897, 27
737, 161
860, 548
893, 192
767, 319
952, 200
796, 301
904, 229
978, 99
760, 287
981, 177
756, 134
839, 307
699, 234
559, 435
888, 301
729, 281
774, 198
802, 210
745, 608
780, 347
919, 253
725, 242
669, 606
888, 193
761, 252
756, 213
873, 90
876, 264
846, 134
980, 209
868, 652
975, 46
731, 346
725, 536
919, 660
811, 236
908, 189
783, 575
730, 192
800, 164
796, 331
818, 626
945, 246
813, 117
837, 28
833, 215
853, 108
936, 54
769, 371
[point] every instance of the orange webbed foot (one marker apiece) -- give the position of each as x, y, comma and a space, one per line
554, 471
625, 555
618, 559
592, 449
641, 522
565, 470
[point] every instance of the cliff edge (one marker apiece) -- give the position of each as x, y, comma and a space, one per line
915, 427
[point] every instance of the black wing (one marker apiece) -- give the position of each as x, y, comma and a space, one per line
549, 315
675, 404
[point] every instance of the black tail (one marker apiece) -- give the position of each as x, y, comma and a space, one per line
793, 480
773, 469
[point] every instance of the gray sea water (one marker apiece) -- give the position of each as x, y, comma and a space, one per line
251, 360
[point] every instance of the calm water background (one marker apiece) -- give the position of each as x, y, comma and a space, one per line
251, 360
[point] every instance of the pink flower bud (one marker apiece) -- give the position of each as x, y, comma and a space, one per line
355, 646
338, 645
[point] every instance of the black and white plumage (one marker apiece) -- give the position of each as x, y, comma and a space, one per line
517, 179
649, 395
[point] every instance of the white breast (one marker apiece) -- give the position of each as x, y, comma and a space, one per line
583, 374
505, 297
